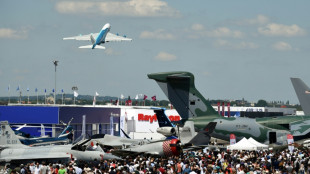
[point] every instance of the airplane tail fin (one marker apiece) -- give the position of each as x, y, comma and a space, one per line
180, 89
7, 136
163, 120
303, 94
66, 132
203, 137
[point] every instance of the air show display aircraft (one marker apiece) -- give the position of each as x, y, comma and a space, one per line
99, 38
180, 89
13, 151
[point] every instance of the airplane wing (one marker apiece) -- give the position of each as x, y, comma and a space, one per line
82, 37
113, 37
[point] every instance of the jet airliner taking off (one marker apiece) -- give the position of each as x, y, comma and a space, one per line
99, 38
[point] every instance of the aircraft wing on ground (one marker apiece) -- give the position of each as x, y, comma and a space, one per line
82, 37
113, 37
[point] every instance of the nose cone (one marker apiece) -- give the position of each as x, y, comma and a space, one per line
107, 25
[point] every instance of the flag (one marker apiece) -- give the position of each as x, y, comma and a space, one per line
27, 89
137, 97
122, 96
154, 98
9, 88
45, 90
62, 90
96, 94
36, 90
17, 89
111, 125
145, 97
290, 142
53, 90
75, 94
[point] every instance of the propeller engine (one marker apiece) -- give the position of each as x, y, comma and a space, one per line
172, 147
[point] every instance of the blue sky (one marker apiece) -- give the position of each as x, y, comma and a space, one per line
236, 49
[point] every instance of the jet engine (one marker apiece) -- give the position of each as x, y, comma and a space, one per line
166, 131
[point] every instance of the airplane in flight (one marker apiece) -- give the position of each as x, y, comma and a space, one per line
13, 151
99, 38
303, 94
180, 89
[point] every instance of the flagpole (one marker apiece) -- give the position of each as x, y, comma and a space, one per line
45, 96
62, 98
28, 95
37, 97
9, 94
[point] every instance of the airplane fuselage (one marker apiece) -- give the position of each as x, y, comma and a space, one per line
261, 129
102, 35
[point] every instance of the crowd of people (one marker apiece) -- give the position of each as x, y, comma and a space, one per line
191, 162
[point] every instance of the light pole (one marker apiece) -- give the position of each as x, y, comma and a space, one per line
55, 63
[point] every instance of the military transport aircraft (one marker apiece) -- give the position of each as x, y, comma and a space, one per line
99, 38
303, 94
180, 89
11, 150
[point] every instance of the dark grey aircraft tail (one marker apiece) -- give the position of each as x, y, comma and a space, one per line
303, 94
203, 136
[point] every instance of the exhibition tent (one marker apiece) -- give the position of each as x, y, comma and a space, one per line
259, 145
243, 144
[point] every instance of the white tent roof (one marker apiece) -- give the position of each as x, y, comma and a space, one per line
258, 144
243, 144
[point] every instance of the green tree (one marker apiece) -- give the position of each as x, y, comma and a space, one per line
261, 103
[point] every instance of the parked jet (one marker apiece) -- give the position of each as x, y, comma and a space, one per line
99, 38
64, 137
303, 94
13, 151
180, 89
187, 133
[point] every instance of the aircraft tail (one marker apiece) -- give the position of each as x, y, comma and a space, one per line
203, 137
303, 94
66, 132
180, 89
7, 136
163, 120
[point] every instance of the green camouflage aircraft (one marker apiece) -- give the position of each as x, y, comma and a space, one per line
180, 89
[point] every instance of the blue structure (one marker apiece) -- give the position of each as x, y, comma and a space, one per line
97, 118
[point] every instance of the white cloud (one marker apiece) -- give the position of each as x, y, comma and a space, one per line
163, 56
197, 27
274, 29
157, 34
225, 32
9, 33
282, 46
258, 20
236, 46
140, 8
198, 31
